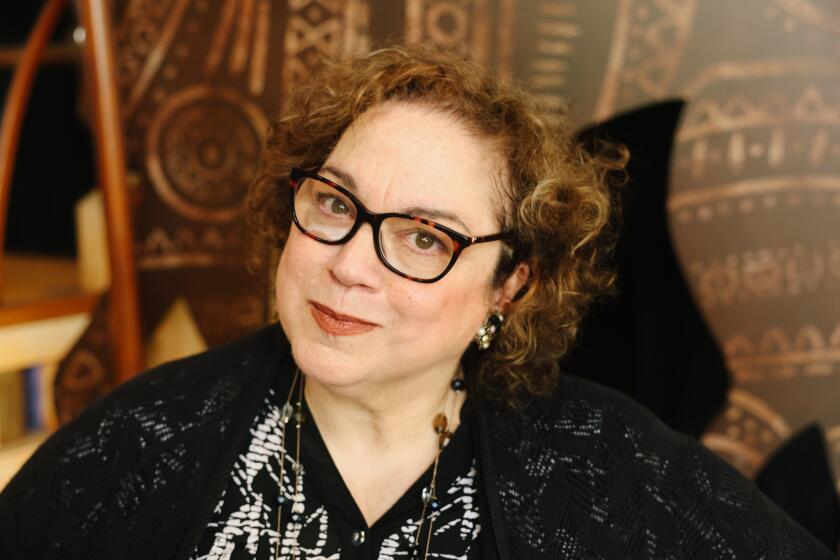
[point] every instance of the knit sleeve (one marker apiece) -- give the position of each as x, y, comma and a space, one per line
128, 471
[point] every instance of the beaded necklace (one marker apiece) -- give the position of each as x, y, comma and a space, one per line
440, 424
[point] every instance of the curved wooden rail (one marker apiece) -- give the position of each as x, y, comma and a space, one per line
110, 149
98, 56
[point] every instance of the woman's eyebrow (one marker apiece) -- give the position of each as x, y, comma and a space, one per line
343, 177
346, 180
436, 215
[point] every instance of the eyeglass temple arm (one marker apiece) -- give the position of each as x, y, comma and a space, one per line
502, 236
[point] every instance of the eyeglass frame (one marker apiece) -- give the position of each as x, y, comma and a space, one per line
365, 216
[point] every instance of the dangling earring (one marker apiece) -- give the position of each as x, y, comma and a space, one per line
488, 330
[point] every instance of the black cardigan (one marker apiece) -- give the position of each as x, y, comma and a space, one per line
586, 473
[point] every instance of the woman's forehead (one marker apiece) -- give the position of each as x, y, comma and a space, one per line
415, 156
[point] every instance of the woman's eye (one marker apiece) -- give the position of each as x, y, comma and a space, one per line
424, 242
338, 207
333, 205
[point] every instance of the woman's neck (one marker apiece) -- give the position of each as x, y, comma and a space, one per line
385, 416
381, 439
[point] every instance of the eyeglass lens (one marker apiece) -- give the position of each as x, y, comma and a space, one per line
410, 247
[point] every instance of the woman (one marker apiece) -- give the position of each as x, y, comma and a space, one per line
439, 244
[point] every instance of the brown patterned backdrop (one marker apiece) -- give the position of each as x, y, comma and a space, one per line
755, 193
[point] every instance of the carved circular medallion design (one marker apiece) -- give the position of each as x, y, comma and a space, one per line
447, 24
202, 151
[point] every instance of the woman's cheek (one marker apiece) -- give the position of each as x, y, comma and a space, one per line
292, 276
298, 262
449, 313
414, 304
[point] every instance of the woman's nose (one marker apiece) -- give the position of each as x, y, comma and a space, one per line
355, 263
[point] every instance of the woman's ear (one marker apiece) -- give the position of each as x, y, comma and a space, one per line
511, 286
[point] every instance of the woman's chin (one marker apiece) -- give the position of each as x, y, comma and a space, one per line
327, 365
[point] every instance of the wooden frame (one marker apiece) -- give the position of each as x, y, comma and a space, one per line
98, 57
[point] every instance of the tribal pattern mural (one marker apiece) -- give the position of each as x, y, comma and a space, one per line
199, 82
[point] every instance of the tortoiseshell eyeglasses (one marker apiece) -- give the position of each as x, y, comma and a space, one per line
410, 246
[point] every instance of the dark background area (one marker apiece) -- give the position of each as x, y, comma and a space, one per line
54, 166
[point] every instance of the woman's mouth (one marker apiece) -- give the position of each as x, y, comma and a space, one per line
337, 324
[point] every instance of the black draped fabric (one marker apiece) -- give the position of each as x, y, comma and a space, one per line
586, 473
798, 478
661, 351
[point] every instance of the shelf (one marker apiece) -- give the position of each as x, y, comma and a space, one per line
36, 287
43, 310
40, 342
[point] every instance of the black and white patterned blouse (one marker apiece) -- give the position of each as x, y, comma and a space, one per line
330, 525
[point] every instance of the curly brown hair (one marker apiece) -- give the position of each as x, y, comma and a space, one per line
557, 195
